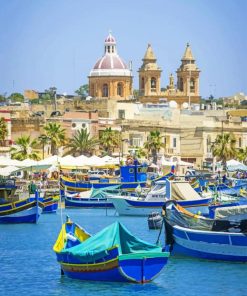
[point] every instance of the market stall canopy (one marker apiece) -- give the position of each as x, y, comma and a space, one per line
5, 161
52, 160
8, 170
234, 165
184, 163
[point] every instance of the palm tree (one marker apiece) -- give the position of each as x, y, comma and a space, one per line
43, 140
56, 135
224, 147
153, 144
24, 149
81, 143
242, 154
109, 139
141, 153
3, 131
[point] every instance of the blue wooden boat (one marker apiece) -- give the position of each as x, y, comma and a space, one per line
50, 205
21, 211
93, 198
200, 237
113, 254
131, 176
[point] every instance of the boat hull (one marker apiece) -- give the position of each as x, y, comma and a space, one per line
29, 213
125, 268
134, 207
76, 202
50, 206
210, 244
82, 186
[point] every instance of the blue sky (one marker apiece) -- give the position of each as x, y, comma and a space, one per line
47, 43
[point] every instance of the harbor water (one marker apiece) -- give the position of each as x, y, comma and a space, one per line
29, 267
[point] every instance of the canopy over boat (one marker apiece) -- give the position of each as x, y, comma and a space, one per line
116, 234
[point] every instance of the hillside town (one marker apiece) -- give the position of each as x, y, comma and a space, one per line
172, 122
123, 154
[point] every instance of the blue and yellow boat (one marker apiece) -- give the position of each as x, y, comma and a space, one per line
113, 254
130, 177
25, 210
50, 204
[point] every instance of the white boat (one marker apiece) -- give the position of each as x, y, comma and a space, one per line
140, 205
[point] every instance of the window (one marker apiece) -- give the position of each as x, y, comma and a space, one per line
153, 84
121, 114
181, 84
135, 142
92, 90
174, 142
209, 144
120, 89
192, 85
73, 124
240, 142
142, 83
105, 90
108, 49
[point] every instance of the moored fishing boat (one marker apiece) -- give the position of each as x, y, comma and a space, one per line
142, 205
130, 177
93, 198
13, 210
200, 237
113, 254
50, 204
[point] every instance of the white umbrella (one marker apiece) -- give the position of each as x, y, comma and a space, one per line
82, 160
68, 161
5, 161
184, 163
233, 162
29, 163
52, 160
7, 171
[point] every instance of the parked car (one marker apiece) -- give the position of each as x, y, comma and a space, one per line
55, 113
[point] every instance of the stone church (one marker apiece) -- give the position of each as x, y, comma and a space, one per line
112, 78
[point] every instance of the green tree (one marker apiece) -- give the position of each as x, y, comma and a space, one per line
43, 140
3, 131
25, 149
224, 147
50, 95
110, 139
136, 93
3, 98
242, 154
16, 97
141, 153
81, 143
83, 90
153, 144
56, 136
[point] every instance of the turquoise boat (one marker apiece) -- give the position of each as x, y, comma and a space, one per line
113, 254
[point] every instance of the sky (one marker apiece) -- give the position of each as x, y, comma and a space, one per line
46, 43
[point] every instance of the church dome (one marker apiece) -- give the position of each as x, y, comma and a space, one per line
110, 64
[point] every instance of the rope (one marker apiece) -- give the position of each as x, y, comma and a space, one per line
158, 239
